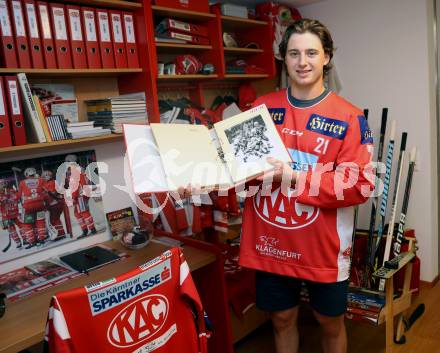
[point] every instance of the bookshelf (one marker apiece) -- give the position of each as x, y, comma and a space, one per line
22, 151
111, 4
70, 72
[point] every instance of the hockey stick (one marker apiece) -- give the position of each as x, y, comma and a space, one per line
389, 239
384, 199
383, 127
407, 323
416, 314
405, 202
9, 244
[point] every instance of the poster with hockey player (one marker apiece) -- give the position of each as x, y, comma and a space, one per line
46, 202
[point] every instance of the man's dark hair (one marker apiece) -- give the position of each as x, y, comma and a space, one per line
312, 26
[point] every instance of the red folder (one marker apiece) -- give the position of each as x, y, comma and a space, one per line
5, 131
15, 111
21, 40
62, 45
88, 18
73, 15
105, 39
118, 39
130, 40
50, 60
30, 14
8, 53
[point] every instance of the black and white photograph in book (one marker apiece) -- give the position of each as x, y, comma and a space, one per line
249, 140
45, 202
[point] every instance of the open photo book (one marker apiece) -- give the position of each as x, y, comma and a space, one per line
164, 157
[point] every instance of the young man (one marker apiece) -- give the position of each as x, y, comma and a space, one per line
290, 236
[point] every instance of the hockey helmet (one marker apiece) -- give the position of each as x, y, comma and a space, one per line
47, 175
71, 158
28, 172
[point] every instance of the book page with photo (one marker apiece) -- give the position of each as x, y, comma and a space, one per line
164, 157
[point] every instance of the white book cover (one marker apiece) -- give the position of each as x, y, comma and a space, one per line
32, 119
164, 157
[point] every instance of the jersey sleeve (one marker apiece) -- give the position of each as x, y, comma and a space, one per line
57, 337
188, 290
348, 181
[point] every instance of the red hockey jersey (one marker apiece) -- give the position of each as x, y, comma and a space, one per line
307, 232
154, 308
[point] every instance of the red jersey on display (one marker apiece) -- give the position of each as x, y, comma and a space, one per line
307, 234
146, 310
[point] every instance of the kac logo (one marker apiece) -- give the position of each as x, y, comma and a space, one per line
139, 321
283, 211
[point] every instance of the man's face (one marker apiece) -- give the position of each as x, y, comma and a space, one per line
305, 60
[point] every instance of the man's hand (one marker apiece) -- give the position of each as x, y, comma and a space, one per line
281, 172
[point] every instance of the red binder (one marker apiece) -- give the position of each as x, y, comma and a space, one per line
50, 60
5, 131
15, 111
62, 45
118, 39
105, 39
88, 18
30, 14
21, 40
73, 15
8, 50
130, 40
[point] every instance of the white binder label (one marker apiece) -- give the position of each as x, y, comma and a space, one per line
18, 19
60, 23
89, 19
14, 98
45, 25
104, 27
4, 20
2, 103
129, 29
32, 20
117, 29
75, 24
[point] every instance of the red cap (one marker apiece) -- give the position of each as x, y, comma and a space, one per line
246, 96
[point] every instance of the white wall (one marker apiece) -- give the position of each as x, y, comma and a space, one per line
385, 58
113, 198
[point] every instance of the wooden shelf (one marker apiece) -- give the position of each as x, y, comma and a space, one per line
242, 51
180, 47
70, 72
114, 4
187, 77
56, 145
182, 14
231, 23
245, 76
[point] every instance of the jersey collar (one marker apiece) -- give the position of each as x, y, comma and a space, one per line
306, 103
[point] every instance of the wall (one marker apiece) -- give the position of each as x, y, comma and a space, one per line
113, 199
385, 58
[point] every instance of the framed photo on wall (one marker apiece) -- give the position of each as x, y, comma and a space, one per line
46, 202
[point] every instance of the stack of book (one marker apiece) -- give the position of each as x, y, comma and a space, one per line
112, 112
86, 129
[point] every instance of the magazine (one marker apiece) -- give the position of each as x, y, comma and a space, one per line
164, 157
33, 278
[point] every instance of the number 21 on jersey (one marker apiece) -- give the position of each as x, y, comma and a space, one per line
322, 145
